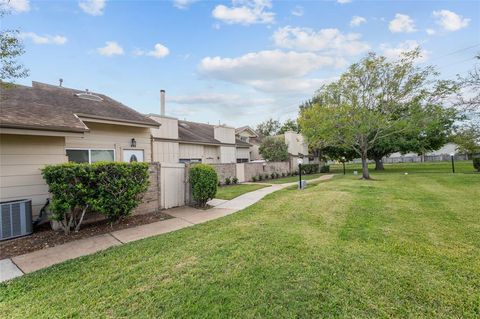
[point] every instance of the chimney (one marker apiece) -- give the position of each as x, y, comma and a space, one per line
61, 81
162, 102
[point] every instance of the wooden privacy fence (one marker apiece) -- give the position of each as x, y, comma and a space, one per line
169, 185
167, 188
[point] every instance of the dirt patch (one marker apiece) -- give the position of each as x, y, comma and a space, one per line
45, 237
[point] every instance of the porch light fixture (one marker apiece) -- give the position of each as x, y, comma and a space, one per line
343, 161
133, 143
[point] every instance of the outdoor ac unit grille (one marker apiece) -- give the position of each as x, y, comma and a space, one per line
15, 219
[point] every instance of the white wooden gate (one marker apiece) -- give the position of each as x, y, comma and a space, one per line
240, 172
172, 188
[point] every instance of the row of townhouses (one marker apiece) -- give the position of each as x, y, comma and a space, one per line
46, 124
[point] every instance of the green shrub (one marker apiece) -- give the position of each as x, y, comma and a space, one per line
254, 178
310, 168
228, 181
260, 177
283, 174
266, 176
235, 180
325, 169
112, 189
476, 163
203, 180
273, 175
277, 175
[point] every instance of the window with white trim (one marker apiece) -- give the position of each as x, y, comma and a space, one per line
90, 155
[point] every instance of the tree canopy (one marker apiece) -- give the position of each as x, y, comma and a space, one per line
274, 149
11, 48
373, 101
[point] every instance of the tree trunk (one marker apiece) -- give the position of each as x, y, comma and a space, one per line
365, 174
379, 164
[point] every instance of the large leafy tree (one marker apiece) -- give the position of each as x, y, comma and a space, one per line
11, 48
429, 129
268, 128
289, 125
467, 135
374, 99
273, 149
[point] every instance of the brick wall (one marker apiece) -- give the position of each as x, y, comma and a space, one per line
151, 198
255, 169
225, 170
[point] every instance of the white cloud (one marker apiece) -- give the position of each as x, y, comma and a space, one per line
357, 20
111, 48
268, 70
306, 39
183, 4
16, 6
297, 11
402, 23
43, 39
227, 105
450, 21
409, 45
430, 31
245, 12
344, 1
92, 7
159, 51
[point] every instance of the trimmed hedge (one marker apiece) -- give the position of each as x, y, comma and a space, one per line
314, 168
310, 168
204, 181
476, 163
325, 169
110, 188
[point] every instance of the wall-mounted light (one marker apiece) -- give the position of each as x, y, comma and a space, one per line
133, 143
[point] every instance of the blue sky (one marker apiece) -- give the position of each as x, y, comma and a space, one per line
238, 62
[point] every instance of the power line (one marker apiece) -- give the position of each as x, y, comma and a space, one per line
456, 51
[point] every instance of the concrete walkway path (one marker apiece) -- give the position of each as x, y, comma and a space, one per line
182, 217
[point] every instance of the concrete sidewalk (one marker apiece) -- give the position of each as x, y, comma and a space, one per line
182, 217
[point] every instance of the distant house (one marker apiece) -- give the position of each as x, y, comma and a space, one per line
296, 142
247, 148
45, 124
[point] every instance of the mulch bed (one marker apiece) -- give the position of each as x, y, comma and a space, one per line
45, 237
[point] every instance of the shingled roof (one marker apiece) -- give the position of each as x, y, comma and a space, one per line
49, 107
197, 132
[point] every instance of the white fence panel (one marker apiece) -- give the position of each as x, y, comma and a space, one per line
172, 186
240, 172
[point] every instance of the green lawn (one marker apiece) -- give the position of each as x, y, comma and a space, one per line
428, 167
400, 246
232, 191
291, 179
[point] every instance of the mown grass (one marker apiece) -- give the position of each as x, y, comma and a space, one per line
401, 246
232, 191
290, 179
427, 167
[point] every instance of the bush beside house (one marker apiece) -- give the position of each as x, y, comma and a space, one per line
112, 189
204, 181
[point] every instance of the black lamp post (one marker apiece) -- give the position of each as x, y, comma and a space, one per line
300, 161
453, 162
343, 161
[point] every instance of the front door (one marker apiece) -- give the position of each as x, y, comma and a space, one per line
132, 156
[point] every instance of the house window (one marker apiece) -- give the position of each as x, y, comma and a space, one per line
190, 160
90, 156
242, 160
